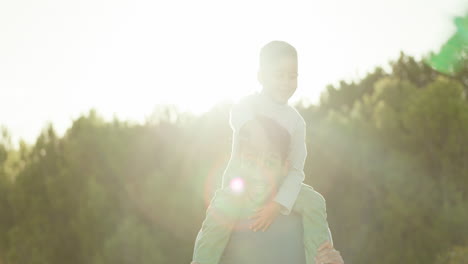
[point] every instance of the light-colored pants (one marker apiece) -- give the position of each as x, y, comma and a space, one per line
226, 208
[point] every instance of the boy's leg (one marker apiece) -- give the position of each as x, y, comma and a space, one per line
213, 237
311, 205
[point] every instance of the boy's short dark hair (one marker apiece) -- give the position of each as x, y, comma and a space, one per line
274, 50
277, 136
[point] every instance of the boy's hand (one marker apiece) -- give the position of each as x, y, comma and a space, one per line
265, 216
327, 254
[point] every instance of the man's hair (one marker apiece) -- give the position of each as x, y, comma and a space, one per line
276, 135
274, 50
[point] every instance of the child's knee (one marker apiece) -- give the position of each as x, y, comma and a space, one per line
223, 208
314, 199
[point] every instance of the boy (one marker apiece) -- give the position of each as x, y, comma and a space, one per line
278, 77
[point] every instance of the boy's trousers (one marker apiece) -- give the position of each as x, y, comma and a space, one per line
227, 207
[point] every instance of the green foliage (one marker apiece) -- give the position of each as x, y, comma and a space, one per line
403, 149
455, 255
111, 192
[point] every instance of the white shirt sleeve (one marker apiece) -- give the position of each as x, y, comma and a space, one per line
289, 190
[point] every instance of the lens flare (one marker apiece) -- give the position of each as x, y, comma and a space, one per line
237, 185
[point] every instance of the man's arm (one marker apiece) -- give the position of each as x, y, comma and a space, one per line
289, 190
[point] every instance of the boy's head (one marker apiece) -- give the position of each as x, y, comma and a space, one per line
278, 71
263, 149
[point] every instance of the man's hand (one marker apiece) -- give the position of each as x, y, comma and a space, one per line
326, 254
265, 216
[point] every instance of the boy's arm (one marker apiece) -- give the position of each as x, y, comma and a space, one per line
240, 113
233, 160
289, 190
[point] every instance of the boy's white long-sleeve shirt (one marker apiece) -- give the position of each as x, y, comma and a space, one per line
289, 118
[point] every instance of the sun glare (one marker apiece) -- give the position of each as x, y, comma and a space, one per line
207, 75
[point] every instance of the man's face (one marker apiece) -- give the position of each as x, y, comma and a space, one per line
279, 80
262, 166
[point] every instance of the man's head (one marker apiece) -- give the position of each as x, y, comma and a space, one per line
278, 70
263, 147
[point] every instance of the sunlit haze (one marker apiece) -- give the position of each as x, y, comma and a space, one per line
58, 59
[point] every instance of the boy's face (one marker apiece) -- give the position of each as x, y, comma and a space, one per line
279, 80
262, 166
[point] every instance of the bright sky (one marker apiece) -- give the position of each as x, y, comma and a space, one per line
58, 59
